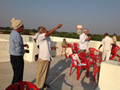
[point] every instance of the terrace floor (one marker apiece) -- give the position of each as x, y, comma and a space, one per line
58, 79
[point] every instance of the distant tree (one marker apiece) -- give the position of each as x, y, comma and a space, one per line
34, 30
8, 28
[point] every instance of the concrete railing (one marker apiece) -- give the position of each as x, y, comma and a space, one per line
26, 38
56, 41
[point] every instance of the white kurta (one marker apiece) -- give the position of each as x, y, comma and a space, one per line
45, 48
83, 42
106, 42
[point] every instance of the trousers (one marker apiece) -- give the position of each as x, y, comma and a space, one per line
106, 55
42, 72
17, 63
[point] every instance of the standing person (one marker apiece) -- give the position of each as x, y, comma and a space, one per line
44, 56
107, 43
114, 38
84, 39
68, 49
16, 50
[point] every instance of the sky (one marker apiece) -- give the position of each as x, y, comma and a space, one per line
99, 16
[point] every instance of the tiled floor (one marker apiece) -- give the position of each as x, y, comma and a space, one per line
58, 78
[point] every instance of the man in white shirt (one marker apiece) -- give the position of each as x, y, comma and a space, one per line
44, 56
84, 39
107, 43
36, 40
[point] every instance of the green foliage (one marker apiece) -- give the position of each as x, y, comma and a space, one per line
65, 34
25, 32
8, 28
96, 37
6, 32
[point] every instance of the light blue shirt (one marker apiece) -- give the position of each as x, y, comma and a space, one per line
16, 47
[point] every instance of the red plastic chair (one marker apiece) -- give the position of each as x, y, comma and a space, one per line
64, 50
75, 47
93, 55
96, 66
114, 52
22, 85
84, 56
71, 46
76, 65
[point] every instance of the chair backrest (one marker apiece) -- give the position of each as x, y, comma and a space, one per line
83, 57
22, 86
115, 49
70, 45
75, 59
94, 52
76, 46
97, 62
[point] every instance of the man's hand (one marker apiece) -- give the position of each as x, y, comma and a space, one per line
90, 37
26, 45
59, 26
27, 51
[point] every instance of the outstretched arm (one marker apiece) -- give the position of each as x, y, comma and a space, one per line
100, 46
53, 30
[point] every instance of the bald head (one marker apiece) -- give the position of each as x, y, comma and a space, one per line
42, 29
86, 31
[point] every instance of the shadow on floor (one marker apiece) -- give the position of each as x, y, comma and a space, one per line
55, 73
58, 83
57, 69
91, 85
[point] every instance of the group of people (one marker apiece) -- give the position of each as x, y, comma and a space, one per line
107, 44
17, 51
43, 41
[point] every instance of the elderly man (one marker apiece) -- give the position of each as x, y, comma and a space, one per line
44, 56
84, 39
68, 49
16, 50
107, 43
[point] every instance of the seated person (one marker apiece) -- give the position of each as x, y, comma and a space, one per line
64, 43
68, 49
